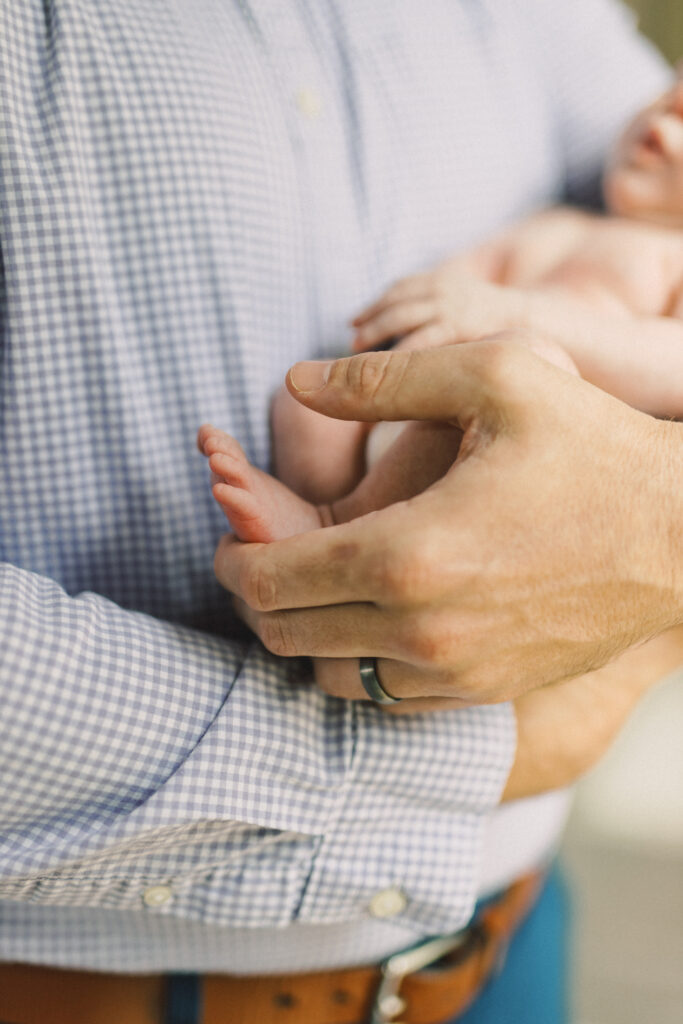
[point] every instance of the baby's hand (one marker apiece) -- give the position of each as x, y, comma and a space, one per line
438, 307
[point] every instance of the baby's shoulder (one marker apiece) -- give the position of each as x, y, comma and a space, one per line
650, 246
567, 222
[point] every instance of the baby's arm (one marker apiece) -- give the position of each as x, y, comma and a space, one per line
459, 300
639, 359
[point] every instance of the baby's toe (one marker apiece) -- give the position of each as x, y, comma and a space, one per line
233, 469
217, 441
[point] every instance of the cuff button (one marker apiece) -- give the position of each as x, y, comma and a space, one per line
388, 902
157, 895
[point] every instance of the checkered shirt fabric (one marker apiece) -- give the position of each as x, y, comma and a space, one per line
193, 194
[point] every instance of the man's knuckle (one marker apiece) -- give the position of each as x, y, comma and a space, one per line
406, 575
420, 643
431, 642
388, 576
275, 632
258, 587
370, 373
502, 358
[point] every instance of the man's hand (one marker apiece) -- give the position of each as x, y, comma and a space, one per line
552, 544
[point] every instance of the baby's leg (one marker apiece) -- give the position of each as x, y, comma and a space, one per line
318, 457
420, 455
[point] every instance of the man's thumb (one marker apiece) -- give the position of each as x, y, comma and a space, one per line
453, 383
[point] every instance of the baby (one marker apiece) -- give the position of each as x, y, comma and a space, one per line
605, 291
593, 288
604, 294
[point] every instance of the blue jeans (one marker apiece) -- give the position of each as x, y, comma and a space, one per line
531, 988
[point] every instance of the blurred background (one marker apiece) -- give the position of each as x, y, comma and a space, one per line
662, 20
624, 856
624, 847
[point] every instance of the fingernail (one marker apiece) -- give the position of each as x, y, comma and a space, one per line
309, 376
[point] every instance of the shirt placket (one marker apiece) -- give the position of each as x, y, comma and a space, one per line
302, 56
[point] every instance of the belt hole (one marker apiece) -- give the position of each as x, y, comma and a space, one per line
285, 1000
340, 996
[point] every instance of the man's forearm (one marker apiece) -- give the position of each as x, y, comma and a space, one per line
563, 730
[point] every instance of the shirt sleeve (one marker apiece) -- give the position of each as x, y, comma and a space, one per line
123, 736
599, 72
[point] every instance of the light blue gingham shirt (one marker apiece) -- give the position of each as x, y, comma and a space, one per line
194, 194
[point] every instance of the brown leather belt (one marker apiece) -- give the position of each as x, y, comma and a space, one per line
420, 986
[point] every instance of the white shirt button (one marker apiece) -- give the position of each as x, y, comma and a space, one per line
309, 103
157, 895
388, 902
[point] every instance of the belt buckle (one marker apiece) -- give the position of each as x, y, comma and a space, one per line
388, 1003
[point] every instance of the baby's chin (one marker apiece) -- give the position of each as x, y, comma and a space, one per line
641, 194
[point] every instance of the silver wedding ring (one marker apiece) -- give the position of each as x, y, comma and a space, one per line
372, 685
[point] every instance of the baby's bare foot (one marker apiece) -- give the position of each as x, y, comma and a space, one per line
258, 506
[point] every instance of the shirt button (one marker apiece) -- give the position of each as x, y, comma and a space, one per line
157, 895
309, 103
388, 903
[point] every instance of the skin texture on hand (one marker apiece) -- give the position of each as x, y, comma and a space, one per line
551, 545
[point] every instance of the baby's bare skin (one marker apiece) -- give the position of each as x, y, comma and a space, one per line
609, 290
606, 290
617, 265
